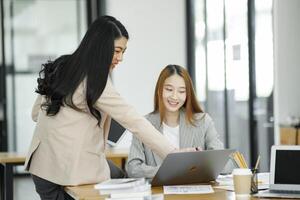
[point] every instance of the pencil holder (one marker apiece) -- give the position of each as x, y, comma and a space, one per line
254, 182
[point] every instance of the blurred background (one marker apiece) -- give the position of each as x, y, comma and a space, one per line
242, 56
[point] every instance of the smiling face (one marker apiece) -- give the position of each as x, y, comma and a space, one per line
120, 47
174, 93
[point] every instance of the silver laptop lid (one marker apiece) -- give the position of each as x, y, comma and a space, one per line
285, 168
191, 167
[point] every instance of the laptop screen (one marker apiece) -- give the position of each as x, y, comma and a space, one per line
287, 167
115, 132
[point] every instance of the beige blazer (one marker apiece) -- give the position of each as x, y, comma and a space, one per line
68, 148
143, 162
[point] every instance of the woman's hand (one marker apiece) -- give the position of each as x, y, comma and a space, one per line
189, 149
198, 148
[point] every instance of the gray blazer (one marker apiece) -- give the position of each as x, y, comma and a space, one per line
142, 162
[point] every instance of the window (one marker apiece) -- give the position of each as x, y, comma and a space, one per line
222, 70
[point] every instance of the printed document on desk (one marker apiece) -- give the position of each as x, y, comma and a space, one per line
137, 190
120, 183
226, 182
188, 189
151, 197
127, 188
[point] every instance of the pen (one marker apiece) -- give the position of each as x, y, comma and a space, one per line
257, 162
242, 160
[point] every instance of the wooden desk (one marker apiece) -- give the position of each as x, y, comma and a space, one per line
87, 192
118, 156
7, 162
10, 159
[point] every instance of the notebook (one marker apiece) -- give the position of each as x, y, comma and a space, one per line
284, 173
191, 167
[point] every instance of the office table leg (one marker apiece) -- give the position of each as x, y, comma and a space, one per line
8, 182
123, 163
1, 181
297, 136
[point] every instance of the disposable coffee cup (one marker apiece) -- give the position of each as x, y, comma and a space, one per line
242, 181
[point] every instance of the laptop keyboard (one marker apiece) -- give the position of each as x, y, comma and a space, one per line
278, 194
285, 191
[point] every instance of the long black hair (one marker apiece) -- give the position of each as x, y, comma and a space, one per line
59, 79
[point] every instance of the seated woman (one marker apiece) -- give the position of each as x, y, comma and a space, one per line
179, 117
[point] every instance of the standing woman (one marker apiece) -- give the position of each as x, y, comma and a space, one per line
76, 100
178, 116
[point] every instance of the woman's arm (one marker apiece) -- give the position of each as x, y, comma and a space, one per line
212, 138
212, 141
36, 107
137, 165
111, 103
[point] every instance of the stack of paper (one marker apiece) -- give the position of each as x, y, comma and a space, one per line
126, 188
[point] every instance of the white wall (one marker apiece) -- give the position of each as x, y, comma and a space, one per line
157, 38
287, 61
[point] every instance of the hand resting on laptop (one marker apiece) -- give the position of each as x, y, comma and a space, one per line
179, 117
189, 149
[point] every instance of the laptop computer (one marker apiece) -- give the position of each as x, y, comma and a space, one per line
284, 173
191, 167
116, 133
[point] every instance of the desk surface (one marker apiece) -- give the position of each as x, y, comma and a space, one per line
87, 192
13, 157
116, 153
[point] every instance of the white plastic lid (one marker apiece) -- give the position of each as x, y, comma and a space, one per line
241, 171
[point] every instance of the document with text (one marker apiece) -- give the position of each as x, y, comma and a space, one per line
188, 189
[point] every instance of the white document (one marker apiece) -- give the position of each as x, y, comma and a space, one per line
131, 194
125, 198
226, 182
139, 188
120, 183
150, 197
188, 189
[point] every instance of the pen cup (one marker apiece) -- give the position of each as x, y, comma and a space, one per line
254, 182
